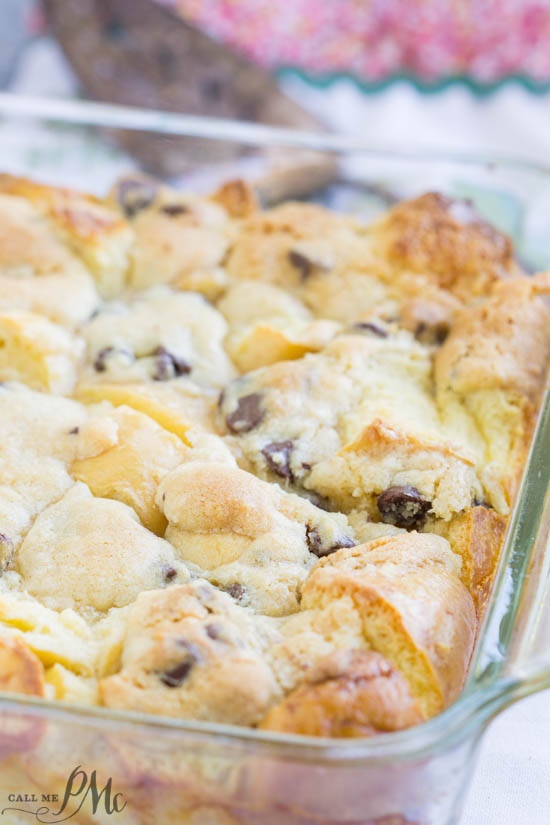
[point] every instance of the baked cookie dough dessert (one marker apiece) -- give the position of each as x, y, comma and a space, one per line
256, 465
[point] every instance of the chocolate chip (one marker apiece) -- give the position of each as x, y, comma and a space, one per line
6, 551
135, 195
368, 326
301, 263
431, 333
314, 540
235, 590
247, 415
345, 541
178, 674
403, 506
213, 631
277, 455
315, 543
74, 431
168, 365
174, 209
101, 358
100, 363
481, 503
169, 573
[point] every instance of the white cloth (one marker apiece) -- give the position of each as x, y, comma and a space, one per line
511, 784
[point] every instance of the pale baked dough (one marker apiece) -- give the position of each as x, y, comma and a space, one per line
247, 536
256, 465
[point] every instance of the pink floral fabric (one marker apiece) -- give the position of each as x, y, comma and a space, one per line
373, 39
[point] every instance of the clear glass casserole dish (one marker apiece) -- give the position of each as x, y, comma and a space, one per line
67, 763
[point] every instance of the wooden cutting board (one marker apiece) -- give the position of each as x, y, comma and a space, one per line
137, 53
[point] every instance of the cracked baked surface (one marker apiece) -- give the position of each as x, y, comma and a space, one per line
256, 465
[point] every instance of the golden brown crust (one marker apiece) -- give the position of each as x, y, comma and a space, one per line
237, 198
288, 244
446, 241
77, 212
347, 694
21, 671
93, 231
416, 612
190, 652
501, 343
27, 244
477, 536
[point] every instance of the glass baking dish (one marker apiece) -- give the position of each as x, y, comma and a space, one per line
131, 769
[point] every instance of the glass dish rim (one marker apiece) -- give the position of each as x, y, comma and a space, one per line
485, 693
91, 113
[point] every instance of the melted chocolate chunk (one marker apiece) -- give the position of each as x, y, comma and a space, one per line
315, 543
235, 590
177, 675
101, 358
368, 326
174, 209
135, 195
277, 455
169, 573
301, 263
403, 506
74, 431
168, 365
248, 414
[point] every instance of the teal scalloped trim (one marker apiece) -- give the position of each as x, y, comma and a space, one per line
323, 81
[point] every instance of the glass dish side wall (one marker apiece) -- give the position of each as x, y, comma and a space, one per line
171, 771
163, 776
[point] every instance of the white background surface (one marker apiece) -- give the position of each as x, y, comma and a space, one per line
512, 783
